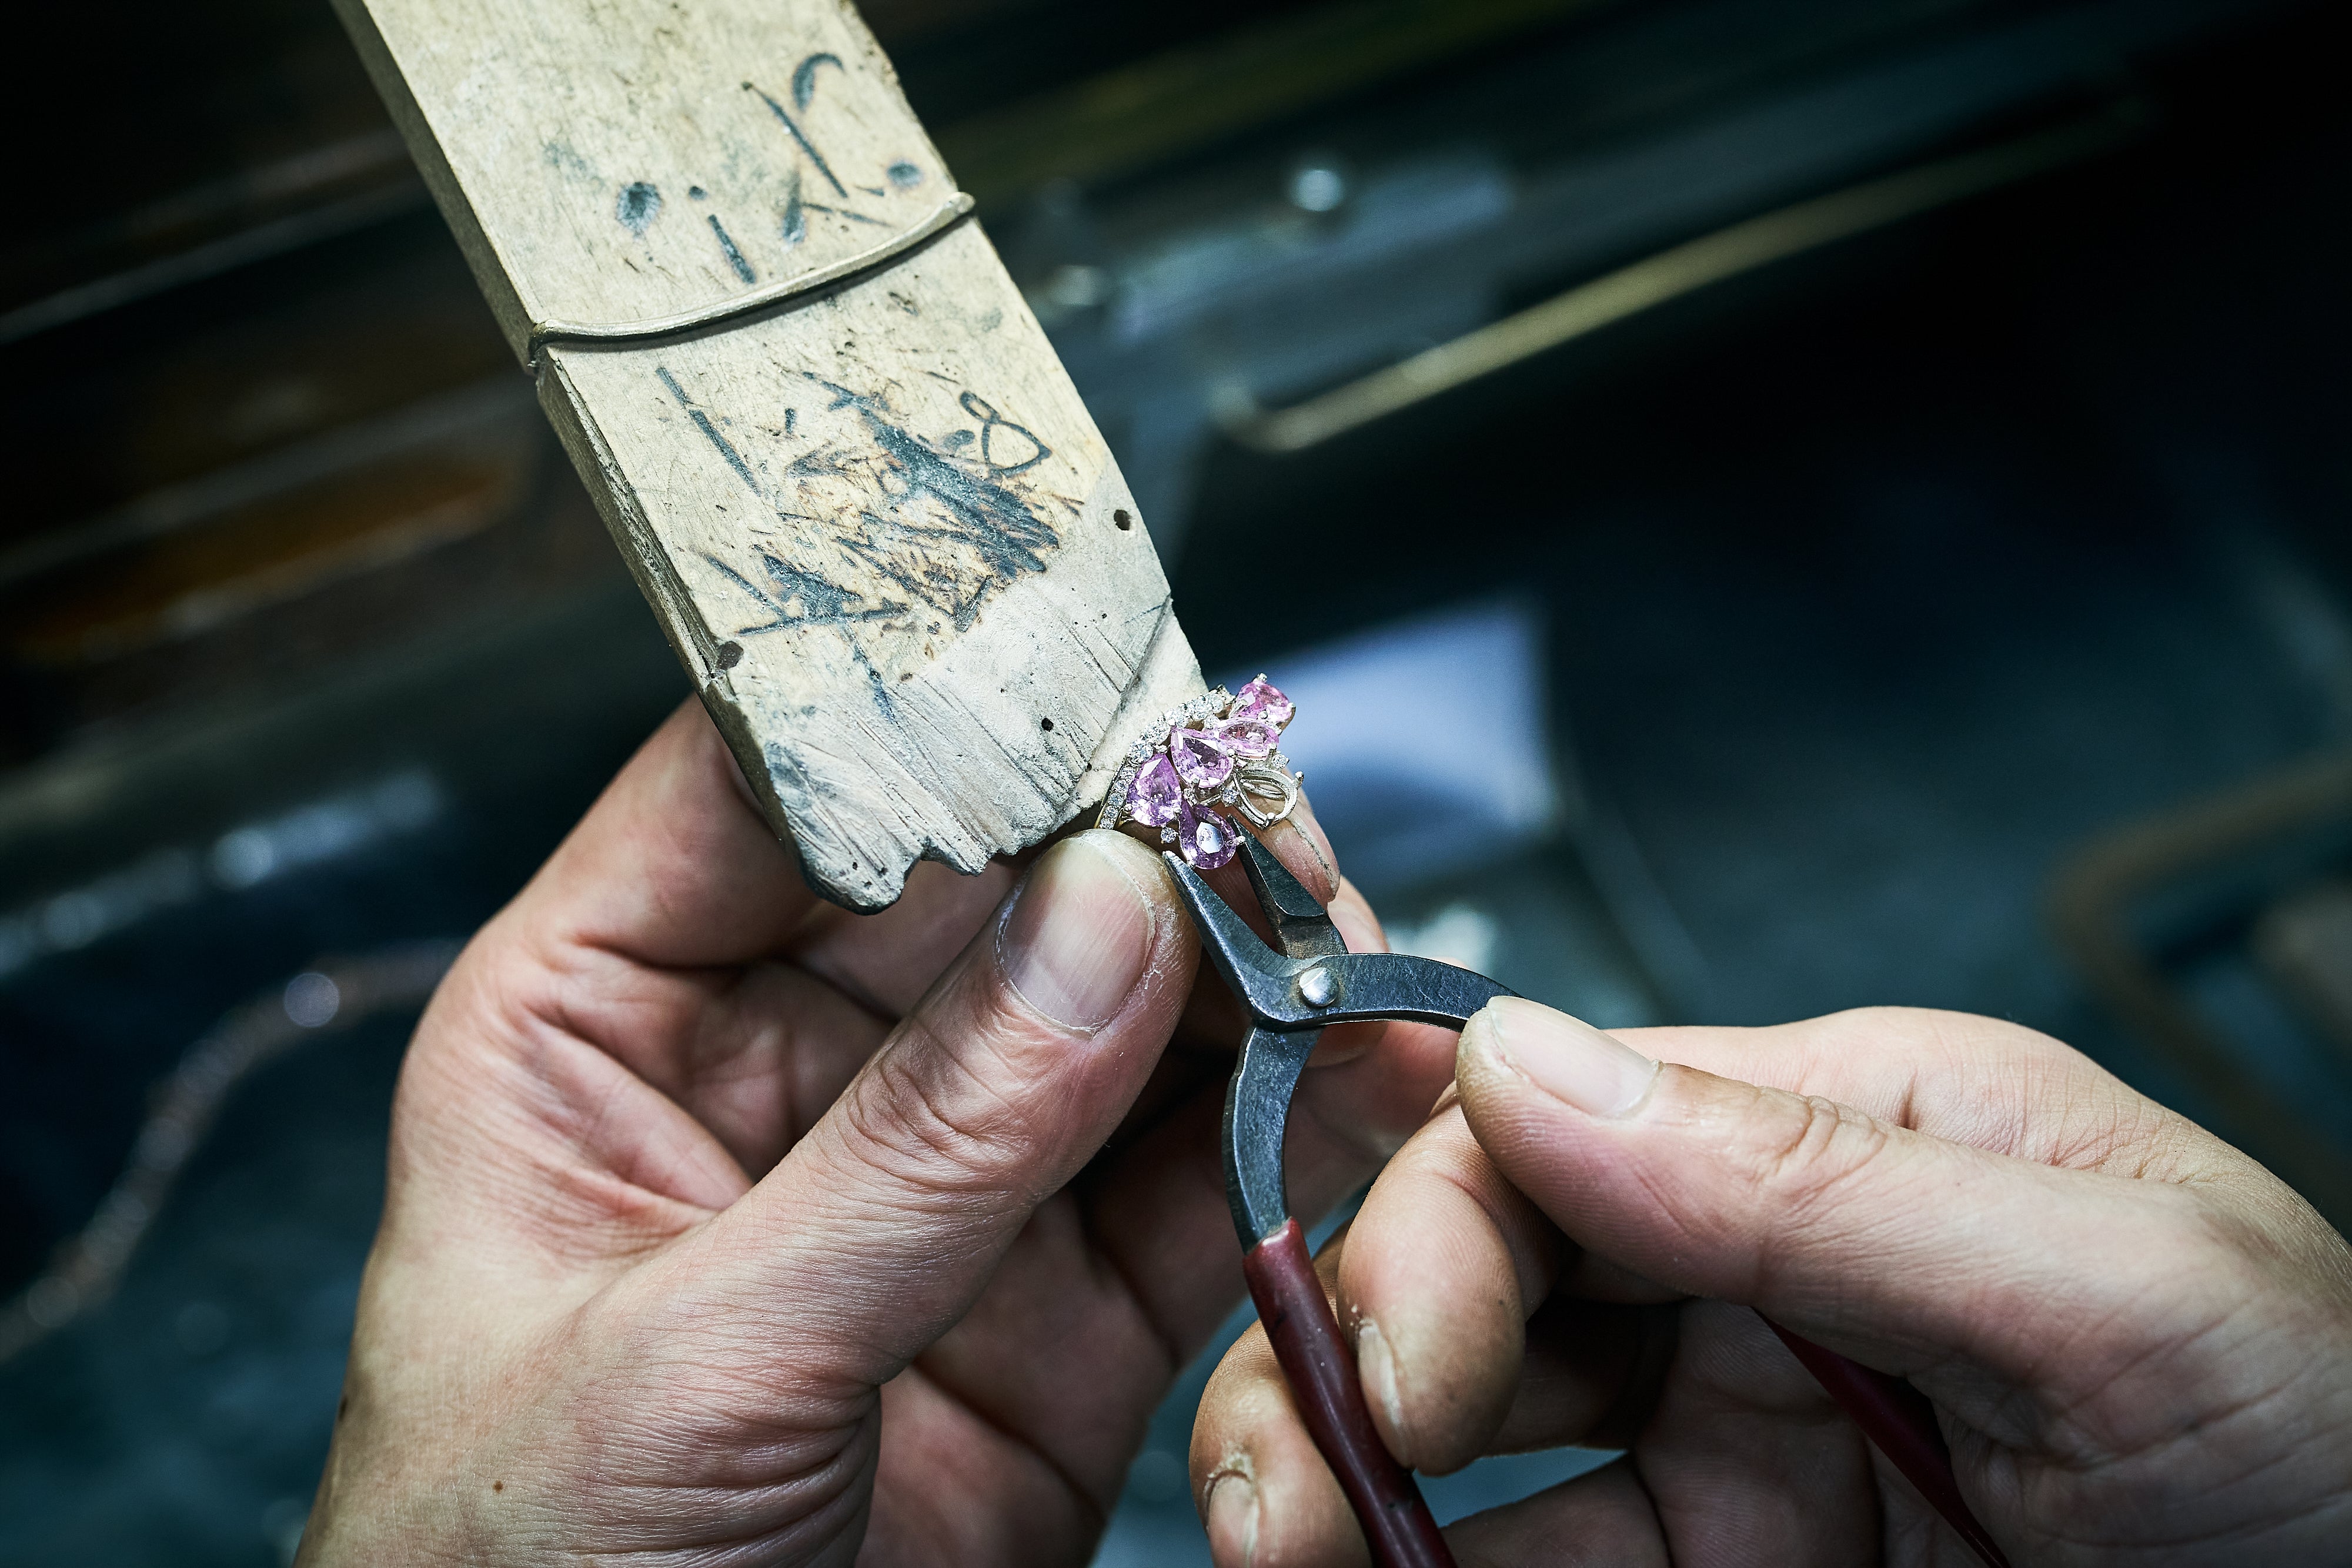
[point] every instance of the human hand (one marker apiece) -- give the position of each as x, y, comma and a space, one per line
725, 1226
2137, 1340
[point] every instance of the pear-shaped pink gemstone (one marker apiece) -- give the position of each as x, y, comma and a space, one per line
1201, 760
1156, 793
1247, 736
1260, 700
1207, 839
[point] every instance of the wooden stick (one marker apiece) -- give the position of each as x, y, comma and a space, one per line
837, 451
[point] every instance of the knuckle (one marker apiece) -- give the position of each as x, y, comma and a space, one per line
1807, 1153
1799, 1166
934, 1122
1812, 1145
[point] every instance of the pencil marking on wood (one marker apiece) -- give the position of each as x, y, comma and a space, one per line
942, 528
564, 156
804, 77
845, 212
990, 422
702, 423
821, 603
795, 220
807, 146
734, 257
904, 175
639, 206
942, 532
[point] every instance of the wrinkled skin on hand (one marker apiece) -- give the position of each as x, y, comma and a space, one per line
724, 1226
2138, 1343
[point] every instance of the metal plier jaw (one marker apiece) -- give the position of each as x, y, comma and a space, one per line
1314, 981
1291, 997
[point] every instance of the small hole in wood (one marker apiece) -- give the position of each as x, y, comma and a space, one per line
1123, 518
1044, 723
730, 654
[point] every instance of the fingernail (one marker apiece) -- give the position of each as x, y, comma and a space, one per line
1564, 1057
1232, 1520
1078, 935
1299, 842
1378, 1363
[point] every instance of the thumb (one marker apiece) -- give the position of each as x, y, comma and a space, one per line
1896, 1247
885, 1223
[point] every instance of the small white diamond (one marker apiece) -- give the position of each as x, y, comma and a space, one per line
1167, 835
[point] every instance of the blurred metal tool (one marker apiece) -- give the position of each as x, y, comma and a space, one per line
1292, 995
1685, 269
184, 1106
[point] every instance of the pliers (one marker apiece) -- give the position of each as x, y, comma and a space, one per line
1292, 996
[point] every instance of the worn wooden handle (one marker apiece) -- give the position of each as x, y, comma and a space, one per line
1899, 1420
1330, 1399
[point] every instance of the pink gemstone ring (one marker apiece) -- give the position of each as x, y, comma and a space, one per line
1209, 761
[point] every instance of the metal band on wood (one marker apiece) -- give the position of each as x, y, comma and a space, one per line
957, 207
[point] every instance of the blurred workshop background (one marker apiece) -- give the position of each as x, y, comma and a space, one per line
1858, 490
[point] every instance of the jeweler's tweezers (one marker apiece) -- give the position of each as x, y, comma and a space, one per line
1292, 996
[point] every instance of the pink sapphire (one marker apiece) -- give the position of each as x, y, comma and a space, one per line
1156, 793
1259, 700
1208, 839
1202, 760
1247, 736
